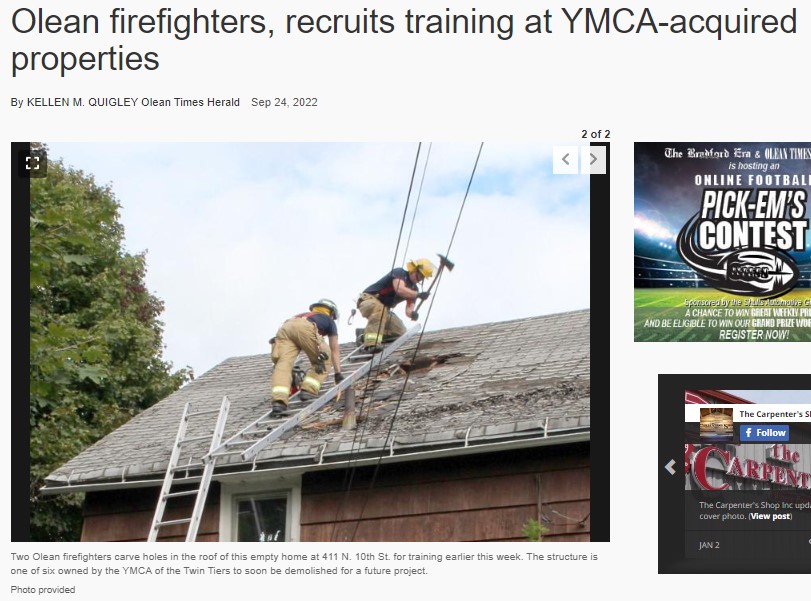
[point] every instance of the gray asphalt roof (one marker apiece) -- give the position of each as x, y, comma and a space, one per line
488, 382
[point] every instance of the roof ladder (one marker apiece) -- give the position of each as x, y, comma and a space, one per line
254, 437
175, 466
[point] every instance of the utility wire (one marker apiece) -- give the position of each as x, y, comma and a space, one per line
405, 211
464, 200
414, 354
417, 203
349, 474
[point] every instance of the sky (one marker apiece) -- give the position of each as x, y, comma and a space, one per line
239, 237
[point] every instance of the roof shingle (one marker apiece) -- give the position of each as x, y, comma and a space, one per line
474, 383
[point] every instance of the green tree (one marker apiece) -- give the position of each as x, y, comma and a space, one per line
95, 337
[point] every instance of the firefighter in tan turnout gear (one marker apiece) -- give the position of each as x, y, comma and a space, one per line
305, 332
378, 300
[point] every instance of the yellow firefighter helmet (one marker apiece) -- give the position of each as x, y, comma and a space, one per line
422, 266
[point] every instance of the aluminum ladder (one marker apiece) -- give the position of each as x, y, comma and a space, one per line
175, 467
254, 437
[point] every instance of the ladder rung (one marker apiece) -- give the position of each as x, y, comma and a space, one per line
223, 453
203, 412
261, 431
238, 442
183, 493
194, 439
173, 522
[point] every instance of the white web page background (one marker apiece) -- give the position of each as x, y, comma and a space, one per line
411, 87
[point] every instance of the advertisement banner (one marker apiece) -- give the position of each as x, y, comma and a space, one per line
721, 242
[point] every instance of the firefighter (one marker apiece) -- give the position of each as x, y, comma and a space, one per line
305, 332
378, 300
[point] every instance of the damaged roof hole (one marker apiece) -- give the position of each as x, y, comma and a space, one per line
426, 363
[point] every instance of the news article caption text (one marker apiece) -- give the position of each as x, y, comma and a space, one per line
32, 22
51, 573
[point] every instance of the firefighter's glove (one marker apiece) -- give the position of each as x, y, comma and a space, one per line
423, 295
319, 365
339, 377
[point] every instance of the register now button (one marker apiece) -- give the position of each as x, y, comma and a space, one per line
764, 433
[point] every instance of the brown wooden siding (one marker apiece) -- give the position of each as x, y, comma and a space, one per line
126, 515
475, 498
479, 498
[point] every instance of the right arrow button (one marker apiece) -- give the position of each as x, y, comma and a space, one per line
593, 160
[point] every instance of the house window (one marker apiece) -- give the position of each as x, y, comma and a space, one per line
261, 519
258, 508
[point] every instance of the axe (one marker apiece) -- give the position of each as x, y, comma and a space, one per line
443, 262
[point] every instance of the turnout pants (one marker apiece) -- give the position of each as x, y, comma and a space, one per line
295, 335
382, 323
